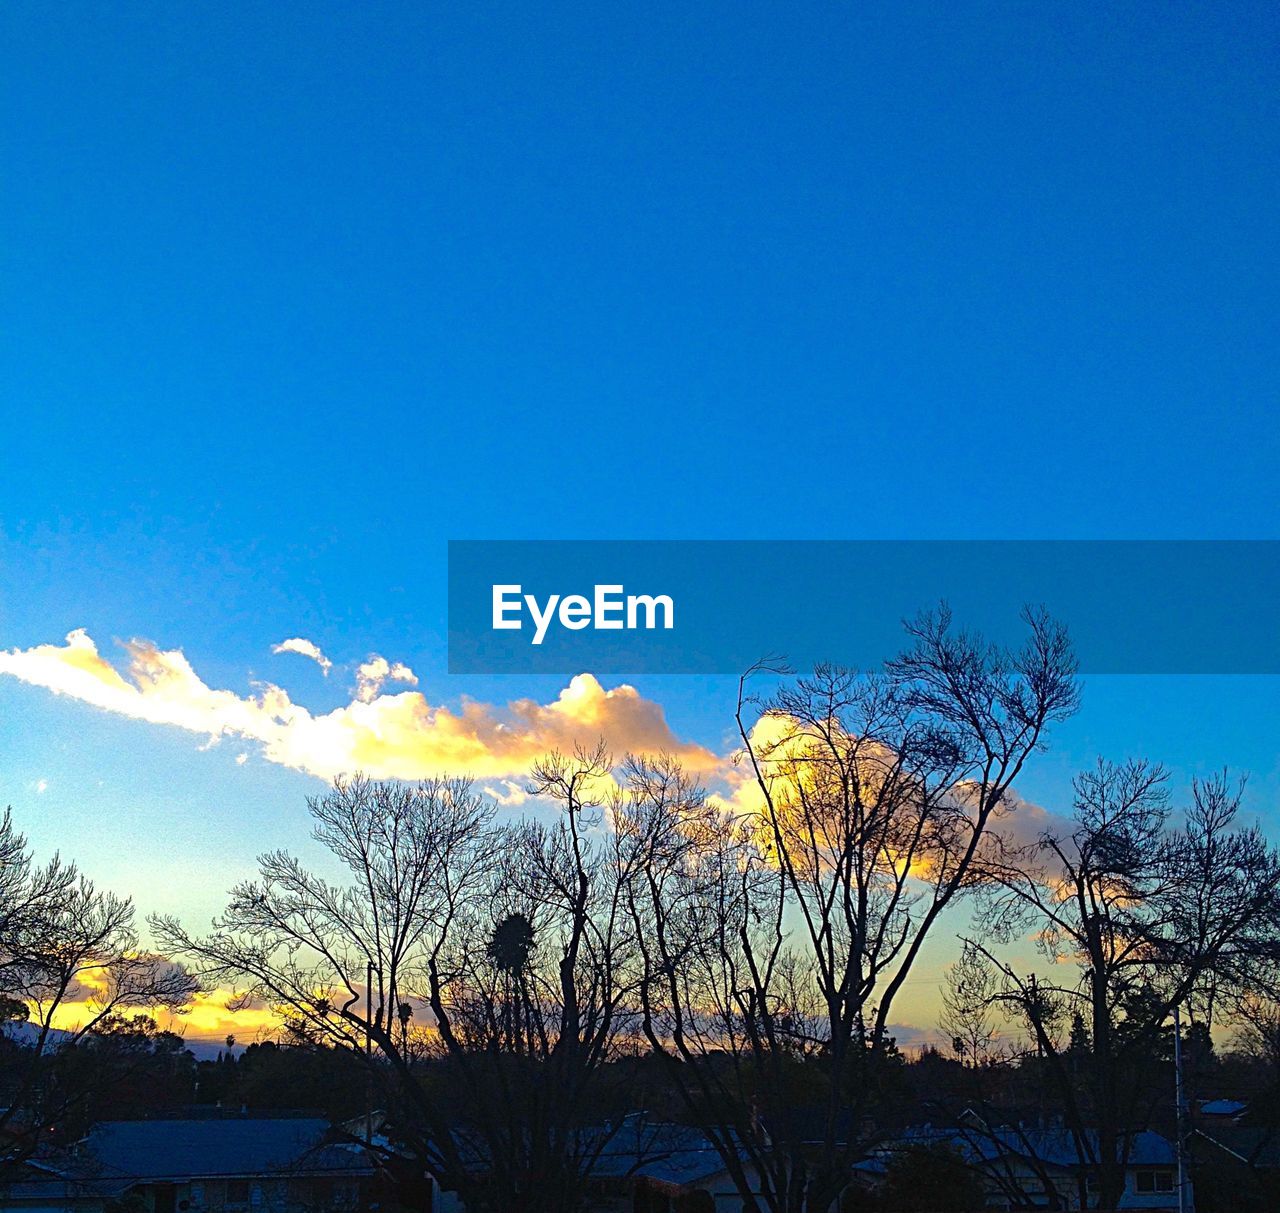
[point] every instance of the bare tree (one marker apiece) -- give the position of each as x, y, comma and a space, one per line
1152, 918
69, 954
543, 992
337, 961
509, 941
969, 1019
1255, 1015
873, 796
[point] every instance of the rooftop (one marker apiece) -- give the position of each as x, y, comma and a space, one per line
239, 1148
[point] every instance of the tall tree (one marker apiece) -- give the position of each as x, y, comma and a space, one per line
777, 934
534, 1016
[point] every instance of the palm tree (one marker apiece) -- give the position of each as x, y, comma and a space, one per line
511, 943
509, 948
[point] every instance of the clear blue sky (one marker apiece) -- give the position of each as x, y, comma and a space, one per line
293, 294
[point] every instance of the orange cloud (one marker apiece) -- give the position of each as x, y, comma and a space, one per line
783, 749
211, 1016
399, 736
218, 1014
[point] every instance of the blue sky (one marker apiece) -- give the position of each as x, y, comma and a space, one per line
292, 296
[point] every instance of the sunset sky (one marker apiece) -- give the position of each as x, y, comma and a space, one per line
291, 300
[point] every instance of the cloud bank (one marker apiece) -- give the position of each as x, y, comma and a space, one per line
390, 736
400, 734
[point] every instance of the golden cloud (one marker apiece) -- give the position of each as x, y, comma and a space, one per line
790, 764
397, 736
211, 1015
215, 1014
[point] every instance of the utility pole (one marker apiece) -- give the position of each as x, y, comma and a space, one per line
368, 1053
1180, 1097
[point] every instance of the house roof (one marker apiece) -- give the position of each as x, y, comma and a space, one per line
54, 1189
667, 1153
39, 1182
1056, 1147
201, 1149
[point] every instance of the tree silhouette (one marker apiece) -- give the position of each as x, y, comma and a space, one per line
1151, 917
866, 816
63, 941
502, 1097
511, 944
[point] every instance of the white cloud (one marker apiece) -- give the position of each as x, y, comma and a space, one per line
1020, 822
374, 673
400, 735
508, 793
304, 648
